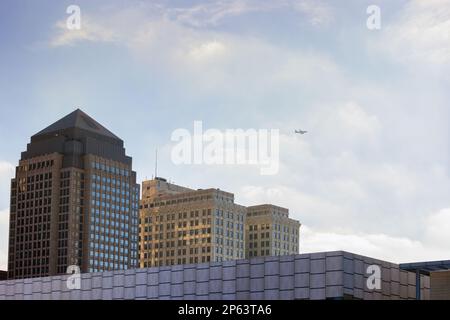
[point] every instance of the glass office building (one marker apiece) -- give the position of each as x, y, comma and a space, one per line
74, 202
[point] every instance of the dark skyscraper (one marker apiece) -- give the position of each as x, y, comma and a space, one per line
74, 201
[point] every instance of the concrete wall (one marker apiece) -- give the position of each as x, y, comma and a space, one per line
304, 276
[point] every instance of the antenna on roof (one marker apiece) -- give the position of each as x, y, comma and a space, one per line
156, 163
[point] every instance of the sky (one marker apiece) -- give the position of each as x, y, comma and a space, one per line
371, 176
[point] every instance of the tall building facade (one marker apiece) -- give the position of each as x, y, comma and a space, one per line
74, 202
179, 225
270, 231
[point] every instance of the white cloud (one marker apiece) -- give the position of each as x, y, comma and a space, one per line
215, 12
356, 119
437, 228
6, 168
368, 166
342, 125
209, 60
4, 231
317, 12
207, 50
421, 33
394, 249
212, 13
121, 26
90, 31
434, 245
235, 65
6, 173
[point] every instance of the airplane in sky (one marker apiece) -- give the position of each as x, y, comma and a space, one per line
300, 131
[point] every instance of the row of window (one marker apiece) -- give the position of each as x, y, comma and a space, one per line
229, 215
229, 242
284, 245
284, 237
31, 272
180, 243
229, 224
229, 233
32, 262
36, 203
36, 219
174, 201
255, 227
286, 229
254, 236
108, 205
37, 165
169, 262
171, 226
229, 252
254, 253
114, 197
107, 188
33, 253
121, 254
110, 181
110, 169
180, 215
96, 212
43, 236
252, 245
28, 213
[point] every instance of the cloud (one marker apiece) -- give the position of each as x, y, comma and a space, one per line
374, 162
118, 26
317, 12
215, 12
212, 13
437, 228
90, 31
420, 33
204, 59
6, 173
217, 62
207, 50
357, 119
4, 231
394, 249
6, 168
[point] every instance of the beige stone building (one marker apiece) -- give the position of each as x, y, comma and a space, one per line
179, 225
270, 231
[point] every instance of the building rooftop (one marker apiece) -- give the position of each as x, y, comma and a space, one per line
426, 267
74, 136
267, 206
159, 189
80, 120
